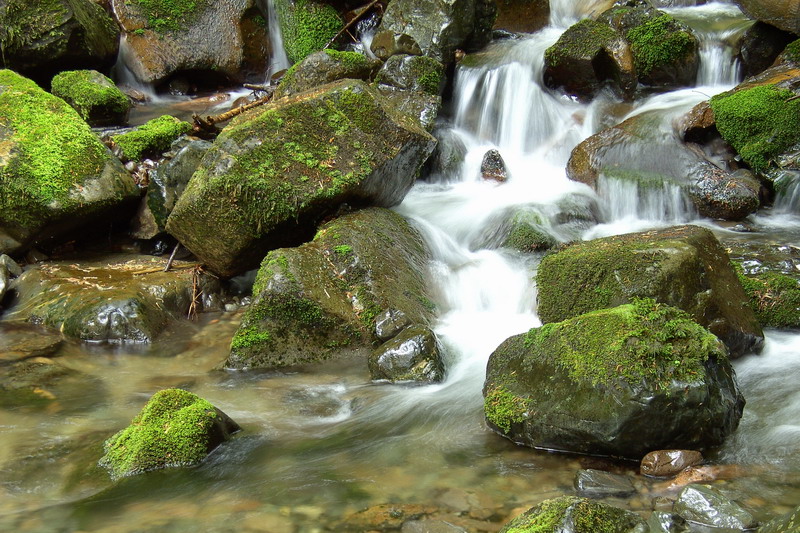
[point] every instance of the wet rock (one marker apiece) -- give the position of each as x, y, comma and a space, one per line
175, 428
666, 463
385, 517
706, 506
783, 524
595, 383
150, 139
522, 16
774, 298
386, 44
684, 266
446, 160
493, 167
93, 95
323, 67
420, 108
429, 525
413, 355
389, 323
19, 342
779, 13
306, 26
40, 39
116, 298
274, 173
599, 484
569, 514
666, 522
8, 269
55, 174
39, 383
413, 73
527, 231
760, 46
209, 38
320, 301
725, 196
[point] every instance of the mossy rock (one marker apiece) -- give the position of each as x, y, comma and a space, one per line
55, 174
323, 67
320, 301
306, 26
570, 514
526, 233
774, 297
788, 522
621, 382
682, 266
150, 139
665, 52
274, 173
175, 428
414, 73
94, 96
759, 122
169, 15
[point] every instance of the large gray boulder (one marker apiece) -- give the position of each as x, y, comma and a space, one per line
783, 14
275, 172
326, 66
55, 174
619, 382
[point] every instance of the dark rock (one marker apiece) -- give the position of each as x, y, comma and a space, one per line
596, 383
8, 269
175, 428
413, 355
389, 323
413, 73
683, 266
706, 506
94, 96
39, 383
323, 67
790, 522
725, 196
569, 514
446, 160
760, 46
493, 167
666, 463
779, 13
20, 341
522, 16
600, 484
320, 301
275, 172
386, 44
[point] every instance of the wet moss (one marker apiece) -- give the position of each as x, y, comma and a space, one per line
659, 41
760, 123
81, 90
152, 138
774, 297
169, 15
503, 408
582, 514
583, 39
306, 26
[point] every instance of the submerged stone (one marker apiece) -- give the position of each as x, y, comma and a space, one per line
599, 484
790, 522
175, 428
570, 514
39, 383
708, 507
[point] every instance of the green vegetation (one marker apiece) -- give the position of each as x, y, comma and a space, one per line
583, 515
582, 40
89, 91
760, 123
792, 52
634, 342
173, 429
659, 41
343, 249
306, 26
526, 237
774, 297
169, 15
503, 408
152, 138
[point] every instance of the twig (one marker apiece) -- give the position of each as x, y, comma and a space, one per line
172, 257
352, 21
192, 315
207, 124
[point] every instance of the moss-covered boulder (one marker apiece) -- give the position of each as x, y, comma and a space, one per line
274, 173
682, 266
167, 37
774, 297
114, 298
570, 514
320, 301
94, 96
620, 381
324, 67
175, 428
150, 139
55, 174
779, 13
306, 26
440, 27
413, 73
788, 522
665, 52
41, 38
413, 355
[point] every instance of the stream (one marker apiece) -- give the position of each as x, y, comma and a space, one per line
318, 447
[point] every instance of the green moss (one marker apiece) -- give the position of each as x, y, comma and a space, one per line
760, 123
152, 138
582, 515
169, 15
528, 238
792, 52
584, 39
171, 430
350, 60
343, 249
503, 408
54, 149
79, 88
306, 26
249, 337
640, 341
774, 297
659, 41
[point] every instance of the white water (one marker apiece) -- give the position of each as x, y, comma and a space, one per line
278, 59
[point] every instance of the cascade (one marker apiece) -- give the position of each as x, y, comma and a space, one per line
278, 60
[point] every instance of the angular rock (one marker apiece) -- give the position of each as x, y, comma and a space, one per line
413, 73
760, 46
306, 26
599, 484
94, 96
320, 301
779, 13
55, 174
413, 355
447, 158
274, 173
389, 323
569, 514
666, 463
419, 107
175, 428
323, 67
493, 167
616, 382
683, 266
706, 506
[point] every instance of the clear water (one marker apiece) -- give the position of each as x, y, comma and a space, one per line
319, 447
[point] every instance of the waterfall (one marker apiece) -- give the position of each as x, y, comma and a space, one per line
278, 60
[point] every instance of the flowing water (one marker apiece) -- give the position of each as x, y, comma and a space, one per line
318, 447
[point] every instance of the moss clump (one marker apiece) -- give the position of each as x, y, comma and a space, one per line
582, 40
526, 237
175, 428
152, 138
792, 52
643, 341
306, 26
89, 91
169, 15
53, 150
503, 408
582, 515
774, 297
760, 123
659, 41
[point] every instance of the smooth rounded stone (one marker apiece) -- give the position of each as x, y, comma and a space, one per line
707, 506
599, 484
666, 522
386, 44
779, 13
19, 341
666, 463
389, 323
413, 355
430, 525
493, 167
326, 66
788, 523
39, 383
725, 196
570, 514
